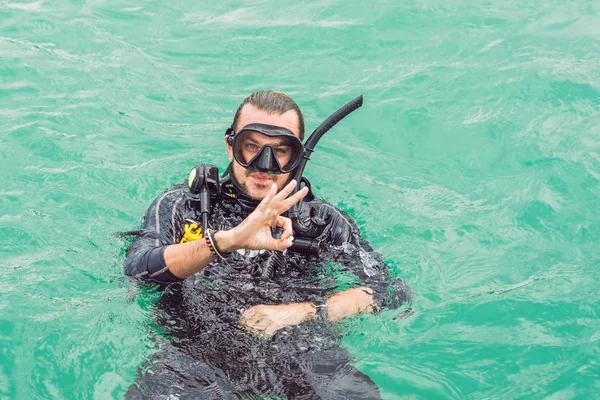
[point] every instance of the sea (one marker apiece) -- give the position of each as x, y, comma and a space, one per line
473, 168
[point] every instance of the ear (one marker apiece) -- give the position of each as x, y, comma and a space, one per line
229, 149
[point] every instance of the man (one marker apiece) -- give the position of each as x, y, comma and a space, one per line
234, 329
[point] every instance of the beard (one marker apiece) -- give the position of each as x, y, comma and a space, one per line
243, 187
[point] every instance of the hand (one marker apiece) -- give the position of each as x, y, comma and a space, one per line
266, 320
254, 233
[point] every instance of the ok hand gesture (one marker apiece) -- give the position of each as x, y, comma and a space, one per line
254, 233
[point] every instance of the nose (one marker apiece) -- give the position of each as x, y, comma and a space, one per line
265, 161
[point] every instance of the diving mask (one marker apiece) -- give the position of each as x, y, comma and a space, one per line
266, 148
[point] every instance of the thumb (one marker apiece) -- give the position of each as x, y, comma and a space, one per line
283, 244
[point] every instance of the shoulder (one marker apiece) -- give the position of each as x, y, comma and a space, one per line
175, 194
168, 203
324, 208
339, 226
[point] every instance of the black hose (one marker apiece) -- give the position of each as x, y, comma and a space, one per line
304, 225
275, 260
315, 136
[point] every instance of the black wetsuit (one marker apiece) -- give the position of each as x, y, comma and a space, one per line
208, 354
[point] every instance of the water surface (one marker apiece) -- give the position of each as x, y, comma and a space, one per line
473, 167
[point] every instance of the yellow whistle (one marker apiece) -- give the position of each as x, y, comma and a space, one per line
191, 231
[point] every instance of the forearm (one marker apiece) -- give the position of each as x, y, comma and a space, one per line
267, 319
350, 302
344, 304
186, 259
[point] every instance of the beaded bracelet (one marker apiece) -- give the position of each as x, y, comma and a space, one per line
212, 244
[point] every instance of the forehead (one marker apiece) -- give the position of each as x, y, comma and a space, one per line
252, 115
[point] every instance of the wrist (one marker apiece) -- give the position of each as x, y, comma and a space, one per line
225, 240
319, 310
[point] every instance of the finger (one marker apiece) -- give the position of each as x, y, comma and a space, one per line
268, 198
288, 203
285, 192
286, 224
270, 331
245, 317
283, 244
253, 323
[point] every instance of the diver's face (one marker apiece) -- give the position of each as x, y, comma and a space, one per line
256, 185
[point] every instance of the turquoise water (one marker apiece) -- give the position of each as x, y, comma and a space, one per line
473, 167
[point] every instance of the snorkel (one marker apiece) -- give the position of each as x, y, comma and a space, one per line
306, 228
304, 225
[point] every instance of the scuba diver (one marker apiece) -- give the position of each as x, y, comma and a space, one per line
256, 271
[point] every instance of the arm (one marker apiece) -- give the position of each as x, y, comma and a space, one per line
146, 254
358, 257
156, 255
268, 319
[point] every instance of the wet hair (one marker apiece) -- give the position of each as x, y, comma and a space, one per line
272, 102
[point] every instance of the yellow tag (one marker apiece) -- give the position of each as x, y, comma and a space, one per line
191, 231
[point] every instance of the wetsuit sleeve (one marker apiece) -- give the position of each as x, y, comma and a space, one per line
145, 257
358, 257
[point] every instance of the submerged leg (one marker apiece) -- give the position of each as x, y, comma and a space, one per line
333, 376
256, 372
175, 374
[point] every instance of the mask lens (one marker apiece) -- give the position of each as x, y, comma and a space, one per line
283, 151
245, 148
251, 147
